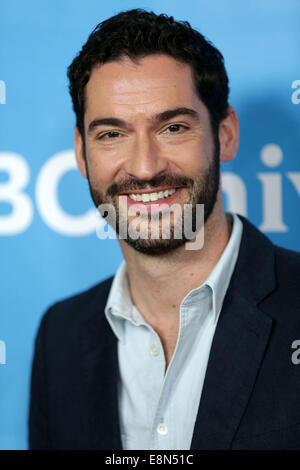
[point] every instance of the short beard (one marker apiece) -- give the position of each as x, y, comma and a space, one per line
203, 190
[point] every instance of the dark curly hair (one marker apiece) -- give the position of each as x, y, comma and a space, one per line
138, 33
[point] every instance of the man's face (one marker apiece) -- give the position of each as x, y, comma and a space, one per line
146, 131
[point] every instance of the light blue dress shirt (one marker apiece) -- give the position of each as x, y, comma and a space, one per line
157, 409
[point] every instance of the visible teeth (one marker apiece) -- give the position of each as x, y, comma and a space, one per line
146, 197
153, 197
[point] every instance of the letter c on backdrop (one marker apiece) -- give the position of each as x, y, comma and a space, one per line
47, 198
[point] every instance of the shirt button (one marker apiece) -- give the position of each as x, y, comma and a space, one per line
162, 429
154, 350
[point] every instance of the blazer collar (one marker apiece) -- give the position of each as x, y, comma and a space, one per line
238, 345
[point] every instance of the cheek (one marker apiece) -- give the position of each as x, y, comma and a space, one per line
192, 158
102, 169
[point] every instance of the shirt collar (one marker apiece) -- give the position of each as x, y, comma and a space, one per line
119, 304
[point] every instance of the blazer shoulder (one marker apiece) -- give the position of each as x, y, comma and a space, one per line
78, 308
287, 260
287, 272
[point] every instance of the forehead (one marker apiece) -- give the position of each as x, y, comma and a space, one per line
156, 81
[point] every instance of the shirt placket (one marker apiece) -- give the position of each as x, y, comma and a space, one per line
163, 434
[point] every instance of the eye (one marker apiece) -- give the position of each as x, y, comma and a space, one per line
175, 128
109, 135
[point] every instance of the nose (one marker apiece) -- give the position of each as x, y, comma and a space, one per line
145, 160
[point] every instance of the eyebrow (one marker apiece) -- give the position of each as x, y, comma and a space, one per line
160, 117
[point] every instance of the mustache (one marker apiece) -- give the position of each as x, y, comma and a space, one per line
133, 184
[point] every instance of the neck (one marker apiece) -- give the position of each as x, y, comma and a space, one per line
158, 284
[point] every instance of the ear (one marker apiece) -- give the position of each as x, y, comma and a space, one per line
229, 135
79, 152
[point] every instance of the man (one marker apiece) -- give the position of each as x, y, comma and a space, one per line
183, 348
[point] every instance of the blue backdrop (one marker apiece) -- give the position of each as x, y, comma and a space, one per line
49, 249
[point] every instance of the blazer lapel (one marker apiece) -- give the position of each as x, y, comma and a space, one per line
238, 345
100, 380
236, 354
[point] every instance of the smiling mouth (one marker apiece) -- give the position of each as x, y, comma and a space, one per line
152, 197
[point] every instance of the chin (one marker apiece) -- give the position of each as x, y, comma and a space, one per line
155, 247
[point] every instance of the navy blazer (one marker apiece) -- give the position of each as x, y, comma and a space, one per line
251, 391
